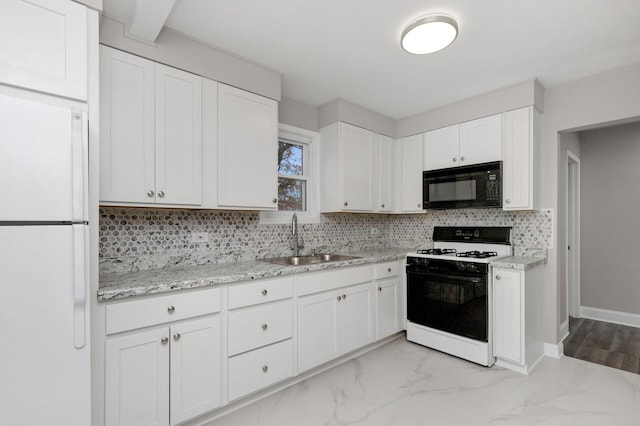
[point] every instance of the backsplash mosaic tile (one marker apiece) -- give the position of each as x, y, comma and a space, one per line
146, 238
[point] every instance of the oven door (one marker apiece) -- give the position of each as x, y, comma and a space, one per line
456, 304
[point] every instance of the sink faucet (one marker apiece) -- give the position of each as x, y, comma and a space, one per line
298, 241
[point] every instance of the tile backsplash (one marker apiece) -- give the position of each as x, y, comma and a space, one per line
149, 238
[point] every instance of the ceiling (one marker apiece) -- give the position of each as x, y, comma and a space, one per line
349, 49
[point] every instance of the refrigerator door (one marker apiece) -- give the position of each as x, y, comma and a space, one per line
45, 359
43, 167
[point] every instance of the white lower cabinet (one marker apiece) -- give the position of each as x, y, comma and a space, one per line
163, 375
517, 318
260, 335
388, 299
336, 321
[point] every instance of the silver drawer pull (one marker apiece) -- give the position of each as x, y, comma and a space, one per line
150, 194
171, 309
265, 368
344, 296
388, 269
161, 194
164, 340
379, 288
264, 292
264, 326
339, 298
498, 277
176, 336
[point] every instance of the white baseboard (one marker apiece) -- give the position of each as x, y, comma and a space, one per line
554, 350
623, 318
564, 330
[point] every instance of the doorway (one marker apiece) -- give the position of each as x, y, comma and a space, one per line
573, 235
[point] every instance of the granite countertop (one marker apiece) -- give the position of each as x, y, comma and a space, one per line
121, 285
519, 262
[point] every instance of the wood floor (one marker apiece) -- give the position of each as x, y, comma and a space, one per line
613, 345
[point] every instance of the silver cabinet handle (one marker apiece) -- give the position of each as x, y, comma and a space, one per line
264, 292
461, 158
339, 298
419, 205
274, 201
388, 269
382, 206
497, 277
164, 340
379, 288
161, 194
344, 296
346, 204
508, 201
176, 336
171, 309
150, 194
264, 326
265, 368
455, 159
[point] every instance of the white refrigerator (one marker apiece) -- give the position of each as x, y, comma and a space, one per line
45, 371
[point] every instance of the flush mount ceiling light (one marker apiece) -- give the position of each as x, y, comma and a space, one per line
429, 34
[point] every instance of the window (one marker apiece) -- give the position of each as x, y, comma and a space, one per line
297, 176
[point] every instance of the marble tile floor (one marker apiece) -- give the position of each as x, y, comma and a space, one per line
405, 384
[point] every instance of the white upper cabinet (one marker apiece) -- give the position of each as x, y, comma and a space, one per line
150, 132
386, 168
247, 153
409, 168
442, 148
349, 157
521, 159
473, 142
44, 46
481, 140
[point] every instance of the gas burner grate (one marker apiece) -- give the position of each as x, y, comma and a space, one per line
437, 251
477, 254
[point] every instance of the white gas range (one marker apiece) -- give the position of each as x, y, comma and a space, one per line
449, 291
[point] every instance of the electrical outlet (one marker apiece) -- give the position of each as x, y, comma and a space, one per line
200, 237
373, 231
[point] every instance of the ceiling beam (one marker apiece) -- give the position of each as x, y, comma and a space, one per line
148, 19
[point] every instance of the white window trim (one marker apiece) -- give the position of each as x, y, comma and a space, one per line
311, 139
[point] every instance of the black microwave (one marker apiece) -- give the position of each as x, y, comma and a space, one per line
475, 186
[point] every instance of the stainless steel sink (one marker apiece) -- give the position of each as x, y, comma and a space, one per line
308, 260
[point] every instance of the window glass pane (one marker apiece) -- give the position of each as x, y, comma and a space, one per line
292, 194
290, 159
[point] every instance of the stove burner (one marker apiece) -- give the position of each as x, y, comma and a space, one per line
437, 252
477, 254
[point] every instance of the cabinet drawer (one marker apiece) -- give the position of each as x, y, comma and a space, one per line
329, 280
259, 326
257, 369
259, 292
143, 313
387, 269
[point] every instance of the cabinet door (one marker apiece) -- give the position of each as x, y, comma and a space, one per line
178, 136
411, 173
508, 318
387, 307
356, 317
137, 379
357, 162
44, 46
317, 329
127, 133
247, 150
195, 368
481, 140
386, 160
441, 148
517, 152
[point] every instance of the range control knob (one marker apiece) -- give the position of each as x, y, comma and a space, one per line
472, 267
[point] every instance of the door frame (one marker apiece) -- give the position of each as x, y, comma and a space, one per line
572, 208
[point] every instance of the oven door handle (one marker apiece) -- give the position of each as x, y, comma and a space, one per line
447, 276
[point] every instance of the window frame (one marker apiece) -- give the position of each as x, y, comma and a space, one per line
309, 140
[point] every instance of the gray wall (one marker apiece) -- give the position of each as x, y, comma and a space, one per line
341, 110
611, 97
179, 52
610, 208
